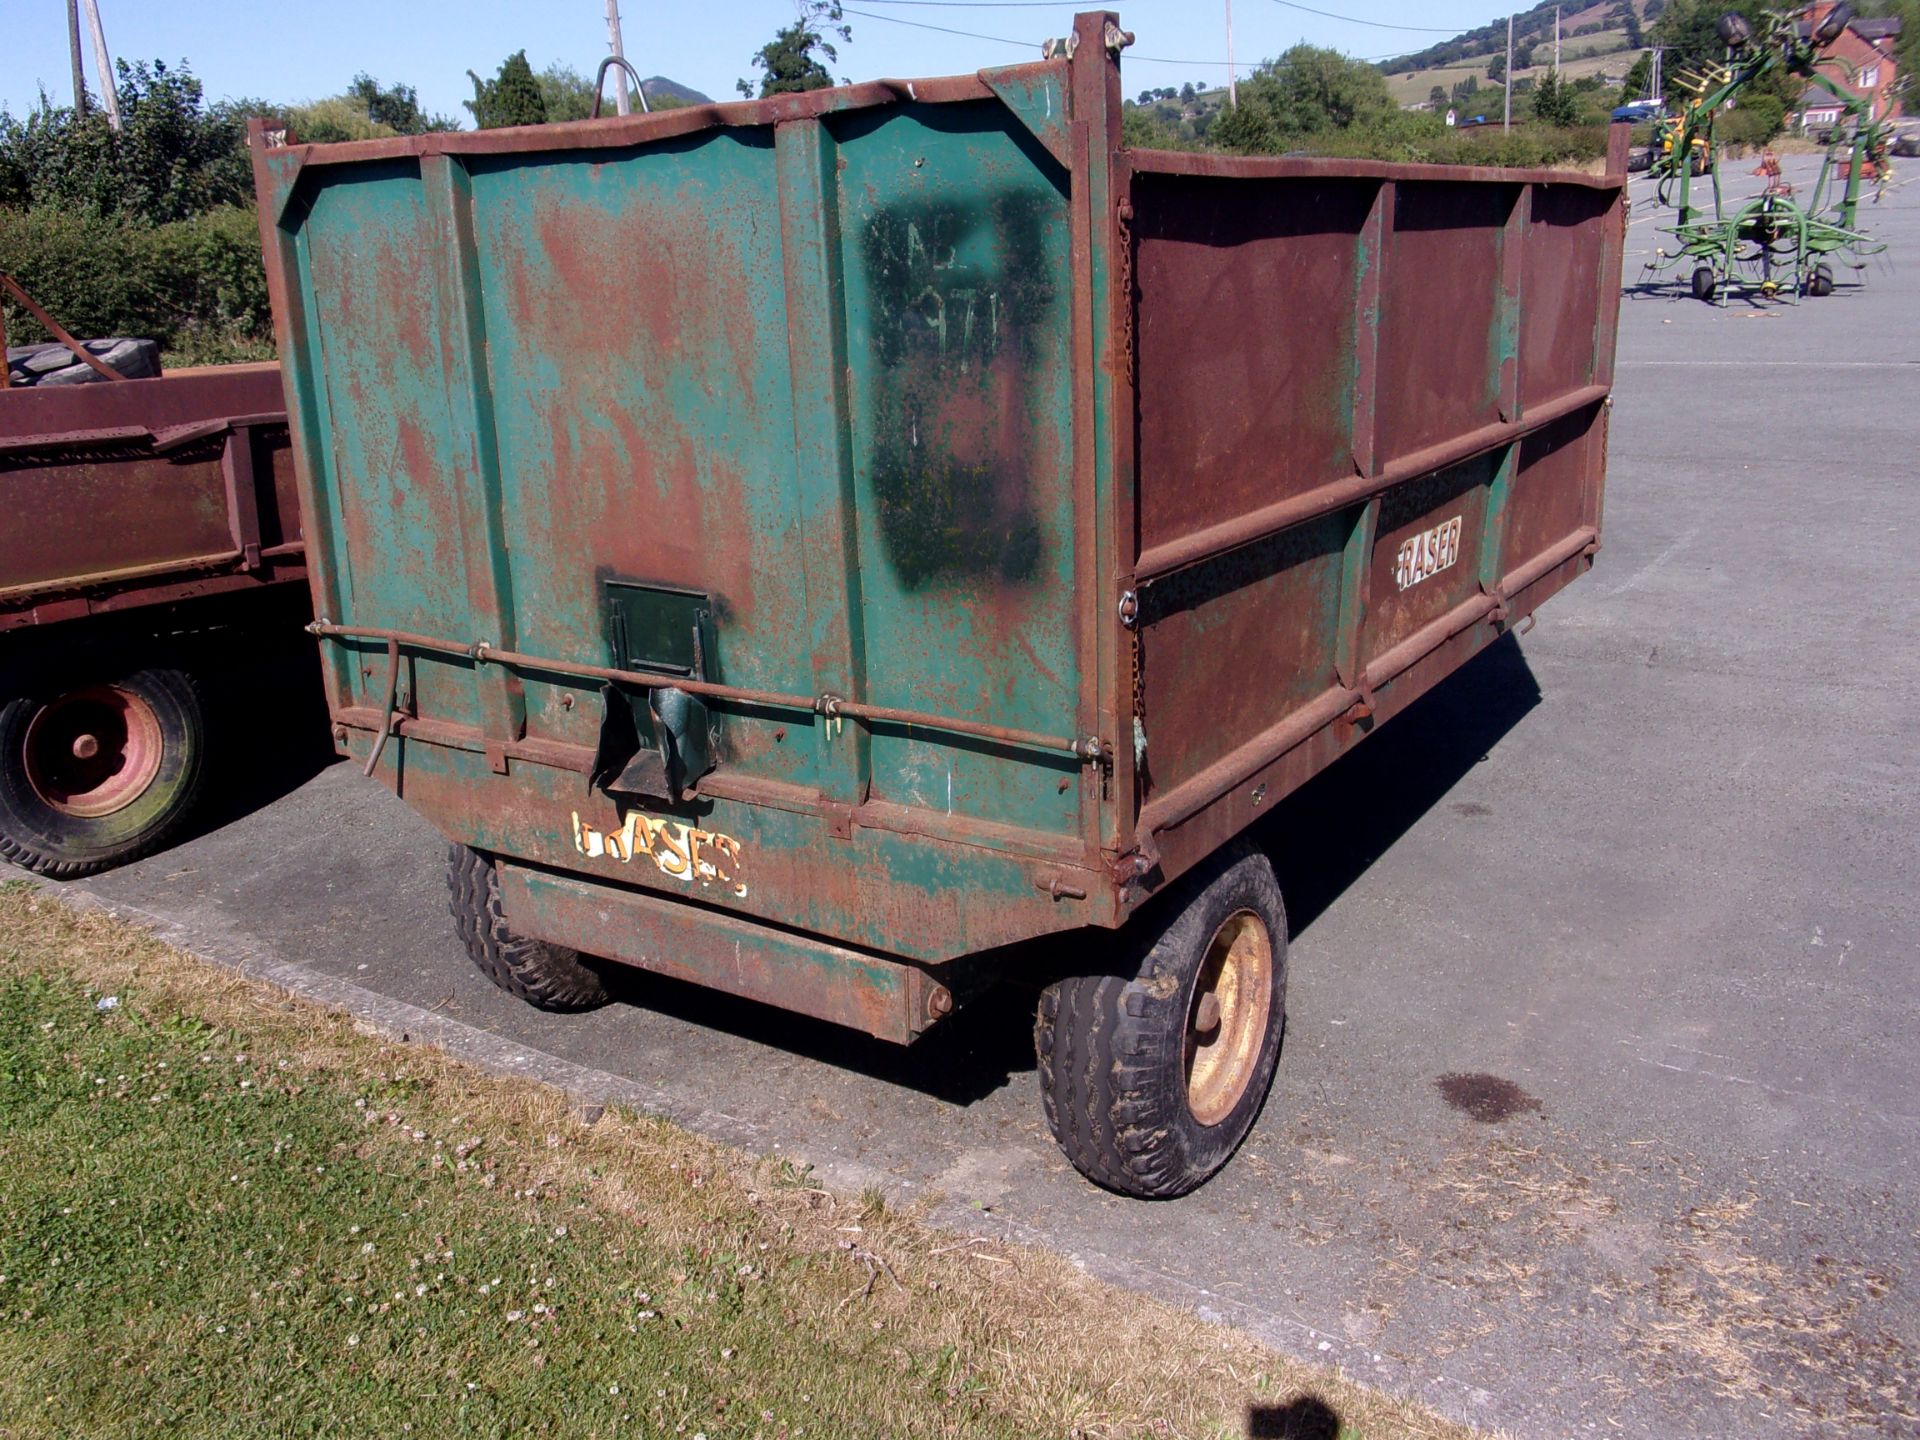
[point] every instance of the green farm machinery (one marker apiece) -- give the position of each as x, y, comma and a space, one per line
1773, 245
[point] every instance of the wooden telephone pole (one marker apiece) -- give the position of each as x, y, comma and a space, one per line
622, 102
109, 96
73, 53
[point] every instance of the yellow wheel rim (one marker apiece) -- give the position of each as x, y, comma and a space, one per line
1227, 1016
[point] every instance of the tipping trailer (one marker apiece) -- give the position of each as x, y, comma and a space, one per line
142, 523
807, 546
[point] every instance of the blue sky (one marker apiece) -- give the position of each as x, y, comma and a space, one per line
296, 52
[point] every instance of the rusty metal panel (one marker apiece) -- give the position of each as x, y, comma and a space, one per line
1563, 290
1426, 552
1274, 605
111, 492
1551, 496
957, 308
1247, 346
1440, 344
1434, 471
870, 993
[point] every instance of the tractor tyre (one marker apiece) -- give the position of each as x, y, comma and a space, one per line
546, 976
1151, 1078
99, 770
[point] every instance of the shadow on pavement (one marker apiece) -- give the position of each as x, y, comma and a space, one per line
268, 728
1321, 840
1325, 835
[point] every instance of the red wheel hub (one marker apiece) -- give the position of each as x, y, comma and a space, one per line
93, 752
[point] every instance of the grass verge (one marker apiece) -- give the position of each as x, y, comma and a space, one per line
226, 1211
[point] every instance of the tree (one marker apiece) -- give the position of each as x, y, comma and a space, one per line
511, 98
567, 94
1636, 37
1308, 90
1464, 91
395, 106
1497, 68
1522, 57
174, 156
1553, 102
1437, 97
787, 63
1245, 129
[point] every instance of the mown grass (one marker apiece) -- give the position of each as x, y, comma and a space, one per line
226, 1212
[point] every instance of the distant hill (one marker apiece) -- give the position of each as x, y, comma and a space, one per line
1595, 39
658, 87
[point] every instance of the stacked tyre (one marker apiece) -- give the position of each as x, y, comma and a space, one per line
32, 365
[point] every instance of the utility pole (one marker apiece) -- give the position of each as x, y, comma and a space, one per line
620, 99
73, 50
107, 92
1556, 39
1506, 87
1654, 90
1233, 89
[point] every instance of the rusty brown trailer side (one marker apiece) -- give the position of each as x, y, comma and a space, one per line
1369, 409
118, 496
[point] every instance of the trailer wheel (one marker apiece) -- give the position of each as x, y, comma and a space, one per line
549, 977
101, 773
1703, 283
1151, 1081
1821, 281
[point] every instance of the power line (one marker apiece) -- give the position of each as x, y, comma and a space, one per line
1375, 24
1001, 39
944, 30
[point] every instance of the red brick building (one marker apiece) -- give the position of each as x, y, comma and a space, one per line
1867, 47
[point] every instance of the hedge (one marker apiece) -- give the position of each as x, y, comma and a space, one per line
197, 286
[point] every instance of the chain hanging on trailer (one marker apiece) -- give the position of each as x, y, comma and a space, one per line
1123, 222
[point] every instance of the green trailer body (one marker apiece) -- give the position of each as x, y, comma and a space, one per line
801, 545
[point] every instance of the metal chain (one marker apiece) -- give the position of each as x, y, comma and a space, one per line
1124, 223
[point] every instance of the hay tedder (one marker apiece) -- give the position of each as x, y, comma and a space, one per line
1774, 244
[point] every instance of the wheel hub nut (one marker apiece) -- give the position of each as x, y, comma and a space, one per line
1206, 1015
85, 747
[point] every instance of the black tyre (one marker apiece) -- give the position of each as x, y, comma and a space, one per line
1820, 282
97, 773
550, 977
1151, 1080
1704, 283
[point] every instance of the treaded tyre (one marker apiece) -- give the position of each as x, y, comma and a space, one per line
1704, 283
1820, 283
99, 772
1150, 1081
549, 977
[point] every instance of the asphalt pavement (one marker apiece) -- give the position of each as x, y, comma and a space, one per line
1600, 1103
